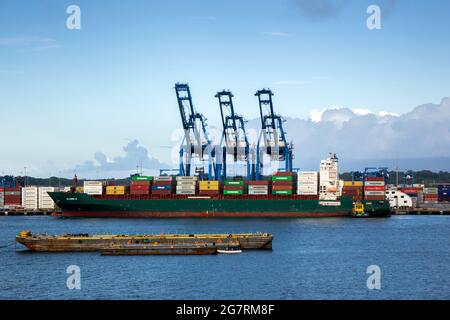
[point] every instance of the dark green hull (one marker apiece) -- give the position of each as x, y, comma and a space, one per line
83, 205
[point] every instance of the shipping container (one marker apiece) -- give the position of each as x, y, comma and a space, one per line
374, 188
209, 192
233, 192
45, 201
185, 192
374, 179
258, 192
154, 187
353, 183
186, 178
30, 198
252, 187
233, 183
233, 188
161, 192
283, 174
162, 183
141, 178
185, 187
258, 183
14, 200
282, 192
374, 184
115, 190
281, 178
163, 178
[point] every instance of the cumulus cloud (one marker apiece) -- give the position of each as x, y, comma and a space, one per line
365, 137
135, 156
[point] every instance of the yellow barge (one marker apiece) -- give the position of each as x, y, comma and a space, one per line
86, 242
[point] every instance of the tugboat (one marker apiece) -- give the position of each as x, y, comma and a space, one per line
358, 210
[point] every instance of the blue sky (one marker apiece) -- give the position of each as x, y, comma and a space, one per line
66, 94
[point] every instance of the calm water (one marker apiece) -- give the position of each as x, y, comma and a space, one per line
311, 259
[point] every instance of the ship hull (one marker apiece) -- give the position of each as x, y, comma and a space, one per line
98, 243
83, 205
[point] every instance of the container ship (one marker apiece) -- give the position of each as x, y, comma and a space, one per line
284, 195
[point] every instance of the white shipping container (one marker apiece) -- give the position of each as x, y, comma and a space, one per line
93, 183
254, 187
374, 193
45, 202
30, 198
374, 183
190, 192
93, 190
185, 187
186, 178
66, 189
163, 178
257, 192
187, 183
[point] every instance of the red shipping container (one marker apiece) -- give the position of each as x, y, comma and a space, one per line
282, 183
209, 192
282, 187
162, 192
258, 183
374, 179
374, 198
283, 174
233, 188
18, 189
15, 200
162, 183
374, 188
410, 190
140, 183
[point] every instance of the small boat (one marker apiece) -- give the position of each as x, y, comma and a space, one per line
229, 250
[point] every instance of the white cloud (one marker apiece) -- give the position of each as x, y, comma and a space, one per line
277, 34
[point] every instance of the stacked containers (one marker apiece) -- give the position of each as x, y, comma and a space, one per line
233, 188
411, 191
443, 193
374, 189
186, 185
115, 190
282, 183
2, 197
353, 189
209, 188
430, 195
308, 183
45, 202
162, 186
30, 198
13, 197
258, 188
94, 188
140, 185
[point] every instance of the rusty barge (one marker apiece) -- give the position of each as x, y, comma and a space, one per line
86, 242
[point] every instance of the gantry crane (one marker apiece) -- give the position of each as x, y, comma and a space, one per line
234, 137
272, 135
408, 179
196, 142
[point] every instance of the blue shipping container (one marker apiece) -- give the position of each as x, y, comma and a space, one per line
161, 187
